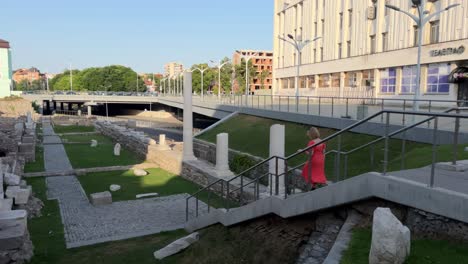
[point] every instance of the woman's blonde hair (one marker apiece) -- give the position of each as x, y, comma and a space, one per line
313, 133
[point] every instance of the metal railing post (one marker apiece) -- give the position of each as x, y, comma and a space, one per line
286, 182
241, 190
434, 152
338, 160
345, 173
455, 139
387, 141
196, 206
333, 107
308, 104
288, 103
320, 106
277, 176
381, 109
404, 115
347, 105
403, 151
186, 209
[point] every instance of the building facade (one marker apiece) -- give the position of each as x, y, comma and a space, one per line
172, 69
30, 75
262, 61
5, 69
368, 50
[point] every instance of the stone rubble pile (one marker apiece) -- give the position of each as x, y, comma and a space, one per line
17, 145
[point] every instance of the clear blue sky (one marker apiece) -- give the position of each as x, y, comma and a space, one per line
142, 34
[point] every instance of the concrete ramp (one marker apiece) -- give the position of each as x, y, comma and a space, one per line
414, 194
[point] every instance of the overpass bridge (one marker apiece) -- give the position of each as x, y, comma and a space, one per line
330, 112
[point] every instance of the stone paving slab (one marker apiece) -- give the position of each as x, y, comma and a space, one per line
85, 224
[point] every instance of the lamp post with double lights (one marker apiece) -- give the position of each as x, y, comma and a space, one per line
220, 65
201, 71
421, 19
247, 58
299, 45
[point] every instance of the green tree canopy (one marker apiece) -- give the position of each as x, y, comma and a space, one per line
115, 77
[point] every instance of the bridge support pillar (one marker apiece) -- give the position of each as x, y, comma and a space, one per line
222, 155
47, 107
90, 111
61, 106
70, 106
188, 119
276, 166
55, 105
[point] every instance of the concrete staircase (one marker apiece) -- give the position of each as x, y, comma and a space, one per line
410, 193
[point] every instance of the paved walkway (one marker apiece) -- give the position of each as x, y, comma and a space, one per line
85, 224
450, 180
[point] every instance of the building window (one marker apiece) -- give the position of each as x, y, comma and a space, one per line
311, 82
434, 32
437, 78
350, 18
373, 44
315, 55
284, 83
388, 80
384, 41
408, 80
415, 35
321, 54
323, 27
351, 79
335, 80
341, 21
348, 48
316, 29
368, 78
387, 2
339, 50
291, 83
324, 81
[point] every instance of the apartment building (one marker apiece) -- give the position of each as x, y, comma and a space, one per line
172, 69
30, 75
368, 50
262, 61
5, 69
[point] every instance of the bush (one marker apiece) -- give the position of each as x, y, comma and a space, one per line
35, 106
241, 163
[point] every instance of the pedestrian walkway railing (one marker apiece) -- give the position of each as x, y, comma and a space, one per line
284, 179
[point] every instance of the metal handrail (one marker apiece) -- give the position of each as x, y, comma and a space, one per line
434, 115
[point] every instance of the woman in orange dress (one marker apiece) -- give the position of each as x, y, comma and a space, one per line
314, 169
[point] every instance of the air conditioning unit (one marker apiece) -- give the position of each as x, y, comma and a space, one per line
371, 12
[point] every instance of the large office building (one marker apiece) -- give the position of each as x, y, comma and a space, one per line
5, 69
262, 61
172, 69
368, 50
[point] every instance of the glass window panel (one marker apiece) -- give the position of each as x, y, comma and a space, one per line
432, 79
433, 69
443, 79
444, 88
392, 81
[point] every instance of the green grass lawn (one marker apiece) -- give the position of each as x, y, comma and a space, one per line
158, 180
73, 129
49, 243
84, 156
250, 134
423, 251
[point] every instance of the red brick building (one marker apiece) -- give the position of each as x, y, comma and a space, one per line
263, 63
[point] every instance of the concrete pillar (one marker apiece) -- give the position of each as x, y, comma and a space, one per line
55, 105
277, 146
61, 106
47, 107
70, 106
222, 155
90, 111
188, 118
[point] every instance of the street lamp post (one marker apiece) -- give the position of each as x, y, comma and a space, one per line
220, 66
299, 45
107, 109
420, 20
247, 86
201, 71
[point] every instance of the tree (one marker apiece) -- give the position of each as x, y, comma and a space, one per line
240, 75
263, 75
118, 78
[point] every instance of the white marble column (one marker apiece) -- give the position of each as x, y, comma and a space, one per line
222, 155
162, 142
188, 118
277, 147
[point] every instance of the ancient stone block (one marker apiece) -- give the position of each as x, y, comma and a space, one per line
101, 198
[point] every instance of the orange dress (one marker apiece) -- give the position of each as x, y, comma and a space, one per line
314, 169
